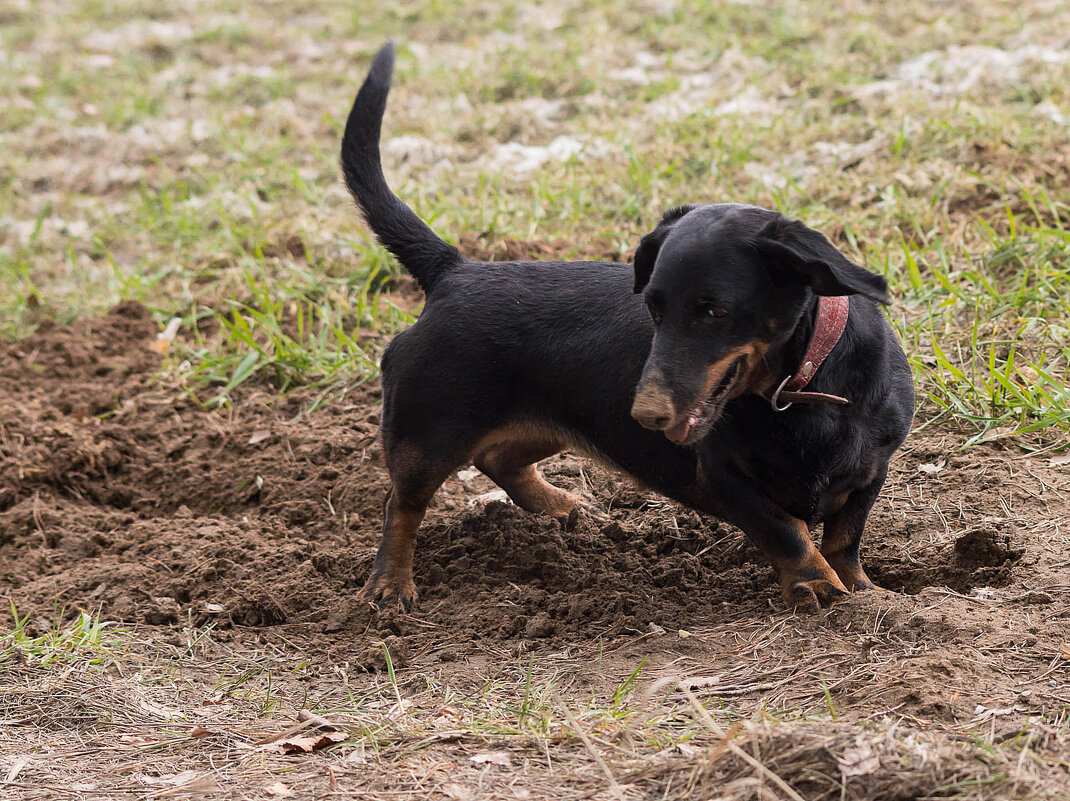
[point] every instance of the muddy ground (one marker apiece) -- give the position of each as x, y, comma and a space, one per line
118, 493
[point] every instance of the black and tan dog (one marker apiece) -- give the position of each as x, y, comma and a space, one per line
511, 362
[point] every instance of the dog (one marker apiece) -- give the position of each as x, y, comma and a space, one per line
686, 372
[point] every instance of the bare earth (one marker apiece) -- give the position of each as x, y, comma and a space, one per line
240, 539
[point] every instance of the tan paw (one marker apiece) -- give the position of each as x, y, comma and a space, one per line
384, 588
850, 573
812, 595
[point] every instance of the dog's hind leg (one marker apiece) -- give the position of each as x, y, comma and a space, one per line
510, 463
415, 477
842, 537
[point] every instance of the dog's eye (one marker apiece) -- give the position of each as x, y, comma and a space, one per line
711, 312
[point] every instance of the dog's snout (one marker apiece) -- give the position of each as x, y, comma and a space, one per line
652, 407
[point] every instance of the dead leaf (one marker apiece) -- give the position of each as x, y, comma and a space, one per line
1064, 651
172, 779
700, 682
982, 713
1058, 461
307, 743
858, 759
489, 497
499, 758
998, 433
316, 721
259, 436
199, 732
279, 790
185, 783
930, 467
139, 740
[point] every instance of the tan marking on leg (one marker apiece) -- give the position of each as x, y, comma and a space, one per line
809, 582
508, 456
391, 576
840, 550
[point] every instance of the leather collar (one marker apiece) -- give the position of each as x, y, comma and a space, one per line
828, 328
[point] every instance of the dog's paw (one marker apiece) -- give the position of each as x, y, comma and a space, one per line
585, 511
814, 594
384, 589
850, 573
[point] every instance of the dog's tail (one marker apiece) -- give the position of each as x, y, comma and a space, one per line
396, 226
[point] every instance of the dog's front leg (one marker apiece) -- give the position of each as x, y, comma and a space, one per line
807, 581
843, 534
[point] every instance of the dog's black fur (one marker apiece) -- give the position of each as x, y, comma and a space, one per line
511, 362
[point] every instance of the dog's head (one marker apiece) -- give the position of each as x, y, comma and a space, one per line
725, 283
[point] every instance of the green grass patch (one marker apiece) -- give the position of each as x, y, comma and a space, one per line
87, 641
172, 158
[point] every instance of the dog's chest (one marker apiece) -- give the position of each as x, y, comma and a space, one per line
806, 473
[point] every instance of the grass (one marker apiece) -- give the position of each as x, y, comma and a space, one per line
990, 343
525, 726
87, 641
291, 337
193, 167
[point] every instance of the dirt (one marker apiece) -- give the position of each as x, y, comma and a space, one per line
119, 493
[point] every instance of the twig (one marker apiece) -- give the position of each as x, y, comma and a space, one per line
614, 787
712, 725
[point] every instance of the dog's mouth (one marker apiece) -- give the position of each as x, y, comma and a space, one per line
698, 422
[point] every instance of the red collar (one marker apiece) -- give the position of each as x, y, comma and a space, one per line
828, 328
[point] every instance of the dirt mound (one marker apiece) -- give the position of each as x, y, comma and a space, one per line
119, 492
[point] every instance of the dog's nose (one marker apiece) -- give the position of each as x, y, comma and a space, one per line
655, 423
652, 407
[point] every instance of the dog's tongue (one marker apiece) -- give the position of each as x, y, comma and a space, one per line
678, 433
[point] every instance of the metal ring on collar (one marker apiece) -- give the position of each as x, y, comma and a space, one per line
776, 395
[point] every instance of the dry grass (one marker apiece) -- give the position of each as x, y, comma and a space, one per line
854, 715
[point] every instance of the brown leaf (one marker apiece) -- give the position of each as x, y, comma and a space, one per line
307, 743
186, 783
458, 792
316, 721
279, 790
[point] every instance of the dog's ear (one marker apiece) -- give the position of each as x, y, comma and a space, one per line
647, 252
645, 256
818, 262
